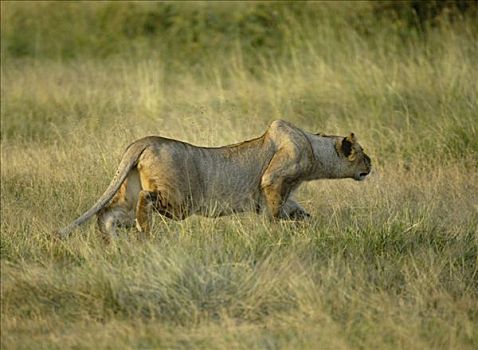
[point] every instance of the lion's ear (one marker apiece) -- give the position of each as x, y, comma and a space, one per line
346, 147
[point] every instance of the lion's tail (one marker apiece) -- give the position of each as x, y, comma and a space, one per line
128, 161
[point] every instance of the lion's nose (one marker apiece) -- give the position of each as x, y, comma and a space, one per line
364, 174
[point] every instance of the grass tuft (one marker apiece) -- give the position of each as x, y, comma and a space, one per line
391, 262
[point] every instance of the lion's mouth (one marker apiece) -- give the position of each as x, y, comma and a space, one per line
361, 176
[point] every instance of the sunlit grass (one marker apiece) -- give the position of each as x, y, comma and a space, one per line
386, 263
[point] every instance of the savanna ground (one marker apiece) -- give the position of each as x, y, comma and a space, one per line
386, 263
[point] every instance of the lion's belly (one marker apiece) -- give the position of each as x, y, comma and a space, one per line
227, 201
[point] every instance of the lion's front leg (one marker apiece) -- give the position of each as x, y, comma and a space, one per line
275, 197
291, 210
280, 205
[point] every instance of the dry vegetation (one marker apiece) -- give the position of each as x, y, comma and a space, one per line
387, 263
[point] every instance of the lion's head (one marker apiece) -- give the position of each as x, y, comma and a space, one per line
354, 162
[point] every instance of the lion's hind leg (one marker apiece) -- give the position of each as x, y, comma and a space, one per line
144, 210
114, 217
149, 201
120, 212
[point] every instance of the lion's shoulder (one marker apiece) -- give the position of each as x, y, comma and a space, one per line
285, 135
282, 126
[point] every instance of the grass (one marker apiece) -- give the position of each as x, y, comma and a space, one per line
388, 263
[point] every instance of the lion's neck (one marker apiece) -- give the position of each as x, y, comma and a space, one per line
326, 157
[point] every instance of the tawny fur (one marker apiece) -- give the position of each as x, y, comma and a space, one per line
177, 179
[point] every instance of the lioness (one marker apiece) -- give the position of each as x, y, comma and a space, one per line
177, 179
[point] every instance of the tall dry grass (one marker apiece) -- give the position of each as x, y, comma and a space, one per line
387, 263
